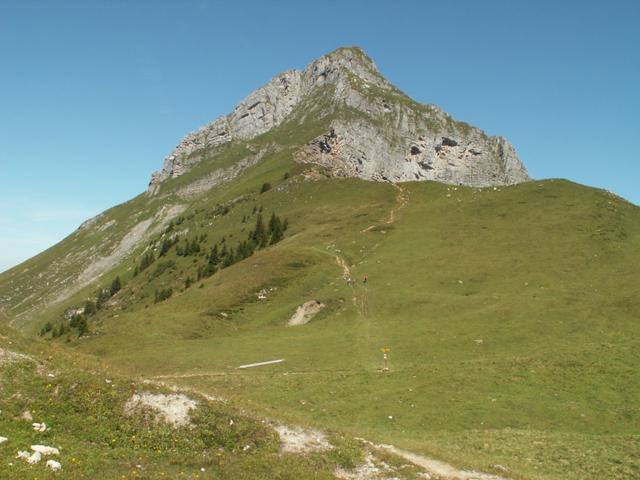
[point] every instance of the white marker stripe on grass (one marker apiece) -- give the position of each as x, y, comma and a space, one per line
250, 365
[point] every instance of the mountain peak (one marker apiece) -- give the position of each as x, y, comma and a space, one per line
354, 58
376, 133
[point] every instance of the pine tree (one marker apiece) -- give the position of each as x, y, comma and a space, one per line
277, 234
146, 261
273, 222
166, 246
265, 187
214, 256
102, 297
82, 325
89, 308
259, 234
115, 286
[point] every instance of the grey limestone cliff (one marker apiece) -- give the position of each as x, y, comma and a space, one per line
376, 132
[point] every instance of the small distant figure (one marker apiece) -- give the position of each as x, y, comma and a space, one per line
365, 278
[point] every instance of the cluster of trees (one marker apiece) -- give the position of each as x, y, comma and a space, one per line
260, 237
147, 260
173, 224
78, 320
163, 267
218, 210
166, 245
191, 247
162, 294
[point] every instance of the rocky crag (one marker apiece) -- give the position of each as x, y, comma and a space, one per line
376, 132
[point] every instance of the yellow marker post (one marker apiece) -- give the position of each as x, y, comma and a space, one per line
385, 355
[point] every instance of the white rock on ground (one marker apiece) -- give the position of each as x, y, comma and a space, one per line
53, 465
34, 458
172, 408
39, 427
44, 450
22, 455
3, 439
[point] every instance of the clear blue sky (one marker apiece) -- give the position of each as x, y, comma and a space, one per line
94, 94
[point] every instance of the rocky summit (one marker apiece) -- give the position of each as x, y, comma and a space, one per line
373, 130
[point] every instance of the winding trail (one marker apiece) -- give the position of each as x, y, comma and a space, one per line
401, 201
434, 467
430, 466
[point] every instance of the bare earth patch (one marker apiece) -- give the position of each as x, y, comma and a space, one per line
305, 313
435, 467
371, 469
172, 408
299, 440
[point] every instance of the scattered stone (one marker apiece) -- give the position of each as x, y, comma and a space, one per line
53, 465
34, 458
22, 455
3, 439
44, 450
39, 427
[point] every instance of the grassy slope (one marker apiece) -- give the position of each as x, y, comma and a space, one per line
84, 415
541, 273
511, 313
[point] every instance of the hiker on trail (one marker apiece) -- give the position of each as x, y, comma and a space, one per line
364, 280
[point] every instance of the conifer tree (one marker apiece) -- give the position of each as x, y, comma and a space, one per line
166, 246
116, 285
214, 256
89, 307
102, 297
82, 325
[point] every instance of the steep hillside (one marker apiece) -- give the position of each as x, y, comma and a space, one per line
90, 422
509, 306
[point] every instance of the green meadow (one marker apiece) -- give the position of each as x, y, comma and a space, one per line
511, 315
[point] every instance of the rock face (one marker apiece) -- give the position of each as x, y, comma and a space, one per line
377, 132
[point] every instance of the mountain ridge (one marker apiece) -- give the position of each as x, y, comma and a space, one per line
390, 137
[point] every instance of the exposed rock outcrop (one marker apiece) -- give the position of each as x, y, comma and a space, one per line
378, 132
